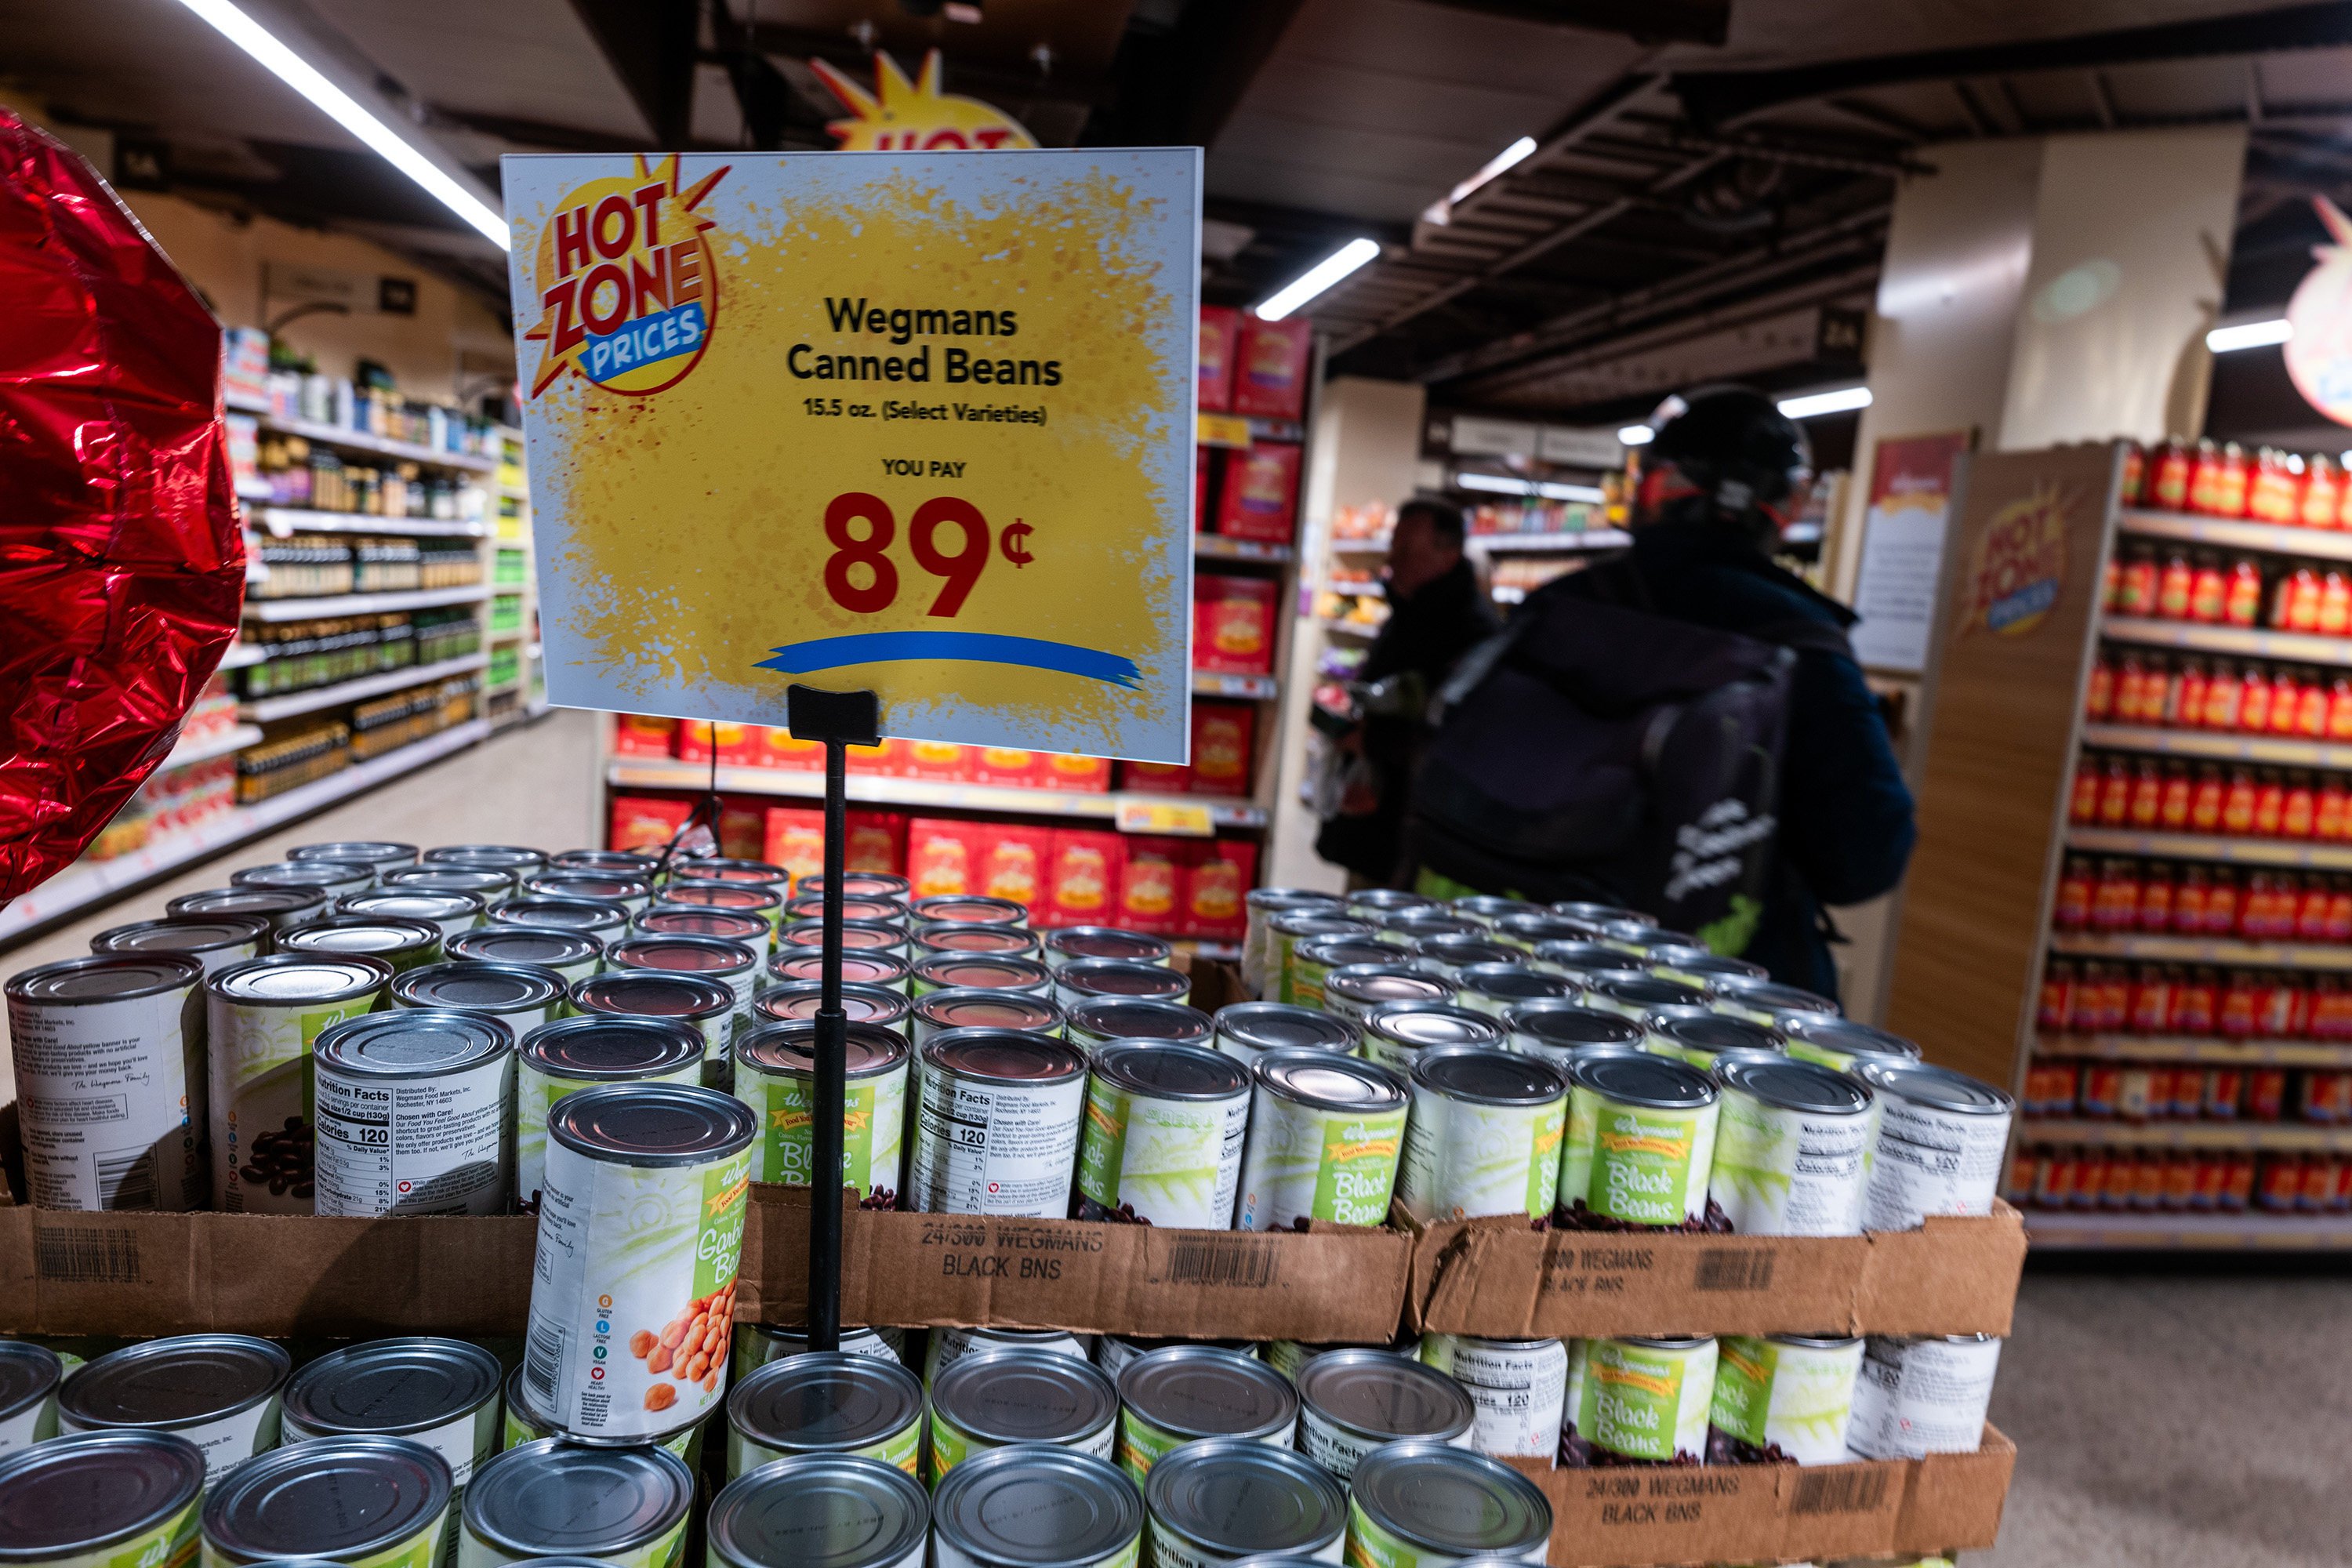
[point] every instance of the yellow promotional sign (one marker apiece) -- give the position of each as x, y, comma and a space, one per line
914, 421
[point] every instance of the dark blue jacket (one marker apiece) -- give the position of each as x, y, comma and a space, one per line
1846, 827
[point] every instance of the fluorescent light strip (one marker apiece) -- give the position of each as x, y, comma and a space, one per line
1495, 484
1637, 435
1509, 158
1492, 484
1571, 492
1324, 275
1844, 400
2249, 335
345, 111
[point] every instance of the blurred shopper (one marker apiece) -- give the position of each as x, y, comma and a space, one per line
1437, 612
1617, 744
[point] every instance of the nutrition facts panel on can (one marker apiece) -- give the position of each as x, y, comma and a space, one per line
994, 1149
412, 1146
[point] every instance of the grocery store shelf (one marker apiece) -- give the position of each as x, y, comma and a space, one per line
241, 654
2293, 853
2090, 1230
283, 520
654, 772
263, 710
1211, 683
1217, 547
2218, 745
1372, 589
360, 441
2304, 648
363, 604
2195, 1048
1348, 628
1552, 543
2203, 950
1375, 546
87, 883
204, 748
2275, 1137
2231, 534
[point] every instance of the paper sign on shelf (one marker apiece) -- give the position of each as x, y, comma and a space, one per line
1903, 549
1180, 818
914, 421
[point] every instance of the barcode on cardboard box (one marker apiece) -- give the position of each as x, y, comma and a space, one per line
85, 1254
1727, 1268
1225, 1261
1840, 1490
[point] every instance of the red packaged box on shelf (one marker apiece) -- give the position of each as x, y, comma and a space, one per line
694, 737
1003, 765
1217, 876
1220, 330
1232, 624
1014, 860
1156, 778
886, 761
742, 828
1072, 770
942, 761
1261, 494
943, 857
1270, 368
794, 840
1223, 734
1148, 885
777, 749
643, 735
1201, 512
878, 842
645, 822
1082, 878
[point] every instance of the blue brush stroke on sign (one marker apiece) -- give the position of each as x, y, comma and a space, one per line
972, 647
648, 340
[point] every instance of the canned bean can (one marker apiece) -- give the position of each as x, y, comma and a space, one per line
377, 855
220, 1392
1407, 927
630, 892
104, 1500
1447, 956
757, 1345
1162, 1142
1595, 916
606, 922
996, 1131
1188, 1393
1032, 1505
1920, 1396
1705, 1039
1766, 1002
704, 1006
1358, 990
1285, 932
261, 1019
372, 1502
1261, 965
857, 936
1395, 1034
859, 884
775, 1075
1247, 1030
1351, 1402
442, 1393
1789, 1148
110, 1057
1496, 988
1073, 943
1219, 1501
1019, 1396
1108, 1020
1312, 959
960, 973
1520, 1388
686, 920
1483, 1136
732, 868
1113, 1352
969, 909
1638, 1401
1560, 1031
490, 887
1640, 1142
735, 897
29, 1374
522, 996
524, 1424
215, 942
733, 965
1422, 1505
1642, 936
327, 875
819, 1510
569, 1054
412, 1114
936, 1013
825, 1402
573, 955
517, 860
1840, 1044
1368, 902
1636, 996
1112, 979
1782, 1399
623, 1506
1699, 967
946, 939
1286, 1356
883, 971
796, 1001
281, 907
1581, 959
1488, 909
1532, 930
809, 909
453, 913
403, 943
640, 1231
1325, 1134
1936, 1144
620, 862
948, 1346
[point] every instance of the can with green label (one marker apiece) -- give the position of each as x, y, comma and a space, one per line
1638, 1401
525, 1425
1840, 1044
1286, 931
1032, 1505
757, 1345
1426, 1505
825, 1402
1483, 1136
1640, 1142
369, 1502
1782, 1399
1559, 1032
1161, 1140
1325, 1133
103, 1500
775, 1075
1261, 963
1789, 1151
626, 1505
261, 1019
818, 1510
571, 1054
1312, 961
1188, 1392
986, 1402
1221, 1501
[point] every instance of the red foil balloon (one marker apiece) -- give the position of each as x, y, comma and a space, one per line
121, 565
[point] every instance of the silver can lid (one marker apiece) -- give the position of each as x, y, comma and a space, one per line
392, 1387
825, 1400
1789, 1085
1004, 1055
1345, 952
819, 1510
1645, 991
1597, 915
1107, 941
331, 1496
1542, 926
28, 1374
1923, 1083
1327, 1080
1580, 955
653, 1123
565, 914
682, 955
594, 886
1847, 1038
299, 980
1158, 1071
105, 977
375, 852
411, 903
543, 946
1384, 1397
790, 1048
792, 965
1279, 1027
959, 973
857, 936
854, 884
271, 903
649, 994
1416, 1026
77, 1494
969, 909
1771, 996
1370, 986
1317, 920
798, 1000
1025, 1396
488, 857
1485, 1075
1571, 1025
1702, 961
411, 1042
360, 933
177, 1381
332, 876
598, 1045
681, 920
890, 911
968, 1009
1642, 1079
1463, 952
444, 879
1446, 1499
1235, 1496
1291, 898
1197, 1390
1034, 1505
730, 868
1129, 1018
626, 861
944, 937
1712, 1034
192, 933
549, 1495
716, 895
475, 987
1513, 983
1415, 925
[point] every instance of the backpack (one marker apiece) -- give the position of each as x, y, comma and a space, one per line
1595, 749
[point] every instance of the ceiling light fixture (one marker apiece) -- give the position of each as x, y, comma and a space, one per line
1510, 157
1324, 275
2249, 335
345, 111
1813, 404
1496, 484
1637, 435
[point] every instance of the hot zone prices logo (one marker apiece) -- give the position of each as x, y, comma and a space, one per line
628, 292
